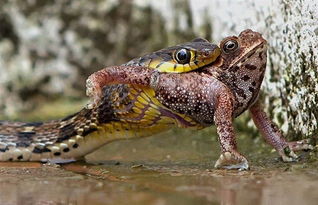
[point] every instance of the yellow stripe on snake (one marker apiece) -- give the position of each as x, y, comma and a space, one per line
125, 111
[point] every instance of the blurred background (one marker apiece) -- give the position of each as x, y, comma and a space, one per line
49, 48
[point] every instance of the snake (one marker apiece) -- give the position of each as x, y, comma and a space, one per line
125, 111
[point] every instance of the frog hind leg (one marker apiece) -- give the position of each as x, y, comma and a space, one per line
274, 137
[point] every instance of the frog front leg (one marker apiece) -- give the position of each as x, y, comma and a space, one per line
138, 75
274, 137
230, 158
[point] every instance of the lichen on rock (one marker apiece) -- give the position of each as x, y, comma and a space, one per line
294, 57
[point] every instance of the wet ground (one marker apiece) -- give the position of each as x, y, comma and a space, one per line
174, 168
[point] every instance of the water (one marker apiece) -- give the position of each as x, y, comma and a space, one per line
174, 168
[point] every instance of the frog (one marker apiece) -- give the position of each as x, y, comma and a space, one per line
216, 94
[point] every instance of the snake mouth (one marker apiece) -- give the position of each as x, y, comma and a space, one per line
216, 62
209, 56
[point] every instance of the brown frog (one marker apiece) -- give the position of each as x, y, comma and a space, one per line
214, 94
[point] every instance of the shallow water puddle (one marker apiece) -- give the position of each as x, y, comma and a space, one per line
173, 183
165, 170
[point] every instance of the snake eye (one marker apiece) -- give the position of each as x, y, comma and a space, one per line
230, 45
183, 56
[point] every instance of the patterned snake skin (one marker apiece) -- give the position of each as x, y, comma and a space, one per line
124, 111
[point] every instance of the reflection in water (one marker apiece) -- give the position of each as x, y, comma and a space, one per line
227, 192
169, 183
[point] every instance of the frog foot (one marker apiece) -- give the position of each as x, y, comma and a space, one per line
288, 153
306, 144
232, 160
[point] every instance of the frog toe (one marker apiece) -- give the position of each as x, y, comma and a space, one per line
288, 155
306, 144
232, 160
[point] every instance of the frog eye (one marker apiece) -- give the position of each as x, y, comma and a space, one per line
183, 56
229, 46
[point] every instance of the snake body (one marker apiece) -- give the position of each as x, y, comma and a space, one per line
125, 111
